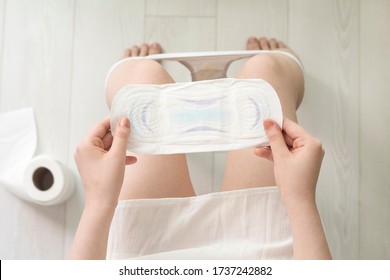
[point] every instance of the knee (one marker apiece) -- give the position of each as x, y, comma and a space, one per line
137, 71
283, 74
262, 65
141, 65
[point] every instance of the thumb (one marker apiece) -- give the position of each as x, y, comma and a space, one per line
122, 132
275, 137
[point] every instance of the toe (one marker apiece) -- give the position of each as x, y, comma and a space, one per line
144, 50
264, 45
273, 44
134, 51
127, 53
281, 45
155, 48
252, 44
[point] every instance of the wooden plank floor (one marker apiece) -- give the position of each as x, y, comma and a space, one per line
54, 56
374, 130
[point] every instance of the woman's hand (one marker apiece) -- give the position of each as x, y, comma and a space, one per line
297, 158
101, 160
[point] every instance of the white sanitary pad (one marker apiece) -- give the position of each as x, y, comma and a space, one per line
210, 115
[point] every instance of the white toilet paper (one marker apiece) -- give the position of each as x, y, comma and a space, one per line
47, 181
41, 179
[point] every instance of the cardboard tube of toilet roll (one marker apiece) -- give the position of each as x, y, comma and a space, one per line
47, 181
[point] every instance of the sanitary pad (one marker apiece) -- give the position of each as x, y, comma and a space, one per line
203, 116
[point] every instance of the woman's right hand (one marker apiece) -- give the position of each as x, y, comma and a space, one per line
297, 158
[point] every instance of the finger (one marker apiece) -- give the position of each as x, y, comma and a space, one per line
121, 136
264, 152
130, 160
293, 130
289, 141
107, 140
100, 129
275, 137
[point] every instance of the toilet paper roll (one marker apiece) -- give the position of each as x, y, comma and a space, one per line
47, 181
39, 179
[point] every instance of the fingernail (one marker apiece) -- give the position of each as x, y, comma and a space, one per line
268, 124
124, 122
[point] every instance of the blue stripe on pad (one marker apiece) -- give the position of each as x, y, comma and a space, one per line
213, 114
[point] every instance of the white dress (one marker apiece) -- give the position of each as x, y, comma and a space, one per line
242, 224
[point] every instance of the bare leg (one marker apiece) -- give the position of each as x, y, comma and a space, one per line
243, 168
153, 176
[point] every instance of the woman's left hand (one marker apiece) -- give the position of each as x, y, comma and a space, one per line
101, 160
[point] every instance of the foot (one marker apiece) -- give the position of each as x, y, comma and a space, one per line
264, 44
143, 50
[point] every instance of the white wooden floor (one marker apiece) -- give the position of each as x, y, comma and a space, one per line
54, 55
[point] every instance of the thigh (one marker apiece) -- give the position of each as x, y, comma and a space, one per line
243, 168
153, 176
